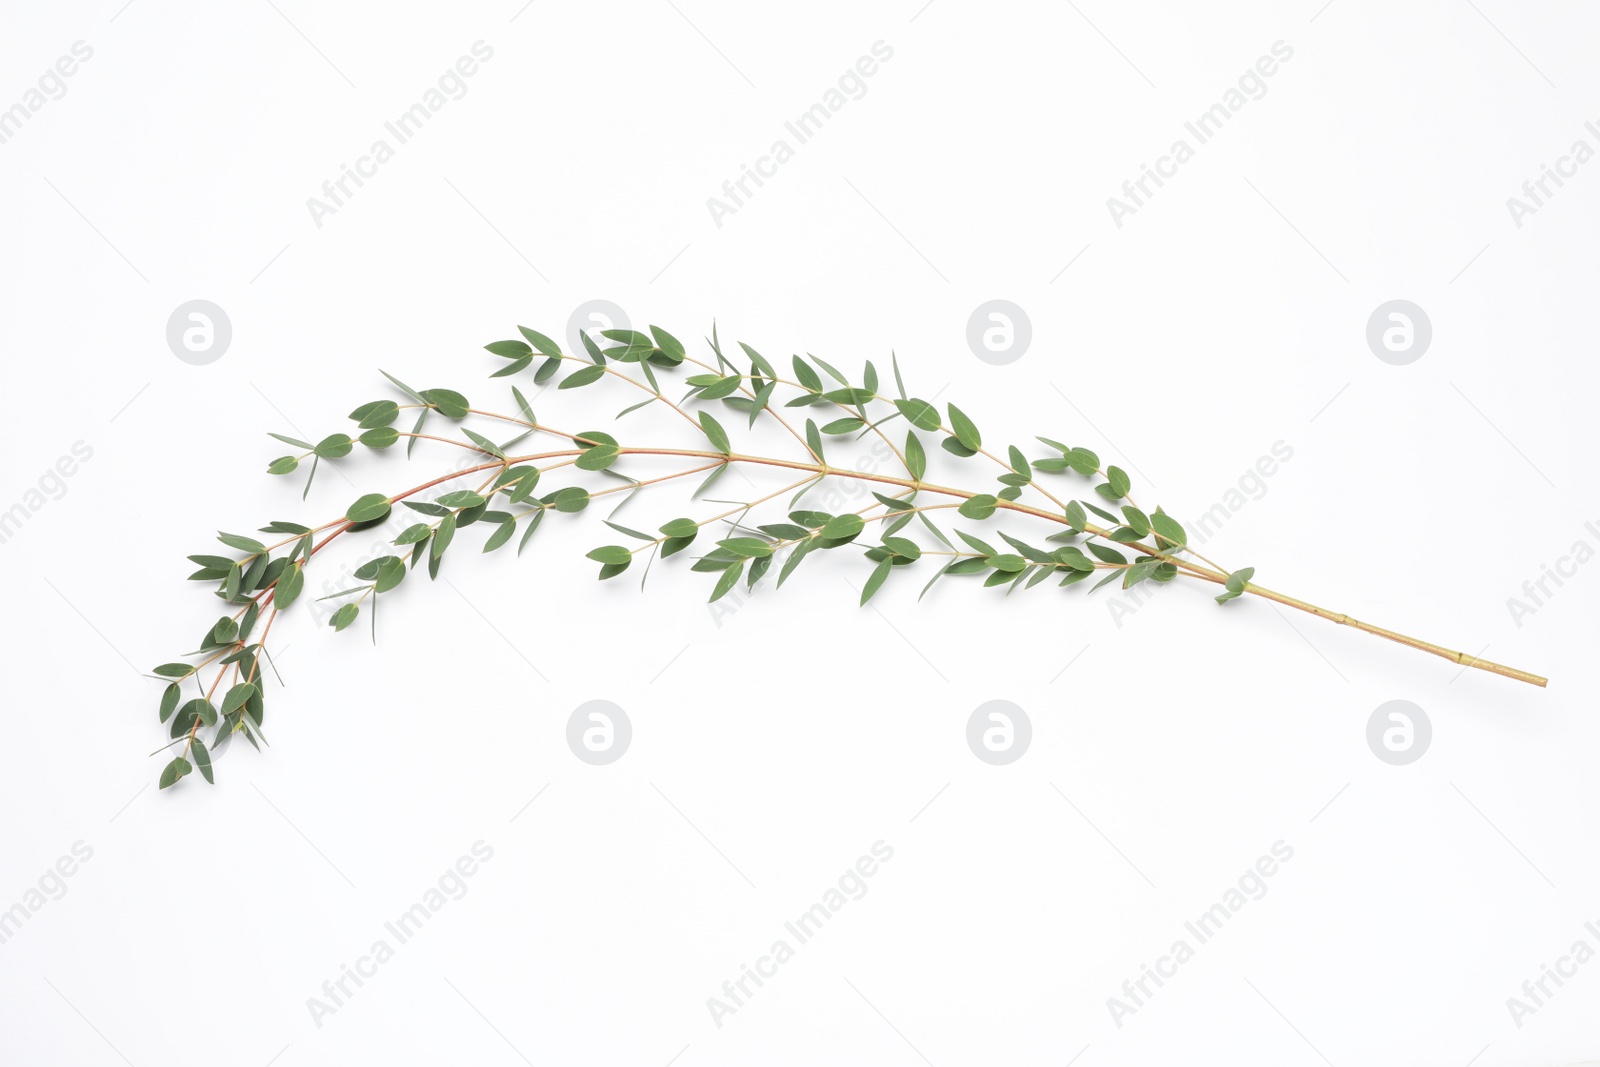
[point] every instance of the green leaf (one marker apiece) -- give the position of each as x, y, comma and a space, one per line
1019, 462
628, 337
571, 499
920, 413
1168, 528
527, 480
384, 573
370, 508
1116, 486
1031, 554
841, 379
621, 529
1138, 572
956, 448
334, 446
509, 349
236, 697
1083, 461
1007, 562
721, 387
169, 700
631, 353
448, 402
202, 759
290, 583
899, 385
1106, 552
842, 526
806, 375
964, 430
225, 632
378, 413
523, 406
668, 344
547, 370
243, 544
978, 507
875, 580
173, 670
295, 441
729, 578
460, 498
583, 376
484, 443
747, 547
843, 426
442, 537
381, 437
344, 616
1075, 559
514, 367
598, 458
975, 544
679, 528
613, 555
175, 770
1236, 584
715, 433
916, 458
798, 553
1106, 515
540, 341
758, 361
402, 386
501, 535
1075, 516
283, 465
416, 428
902, 547
1136, 519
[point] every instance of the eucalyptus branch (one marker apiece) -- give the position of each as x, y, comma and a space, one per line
1086, 538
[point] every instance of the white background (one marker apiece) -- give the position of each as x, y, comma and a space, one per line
1172, 744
